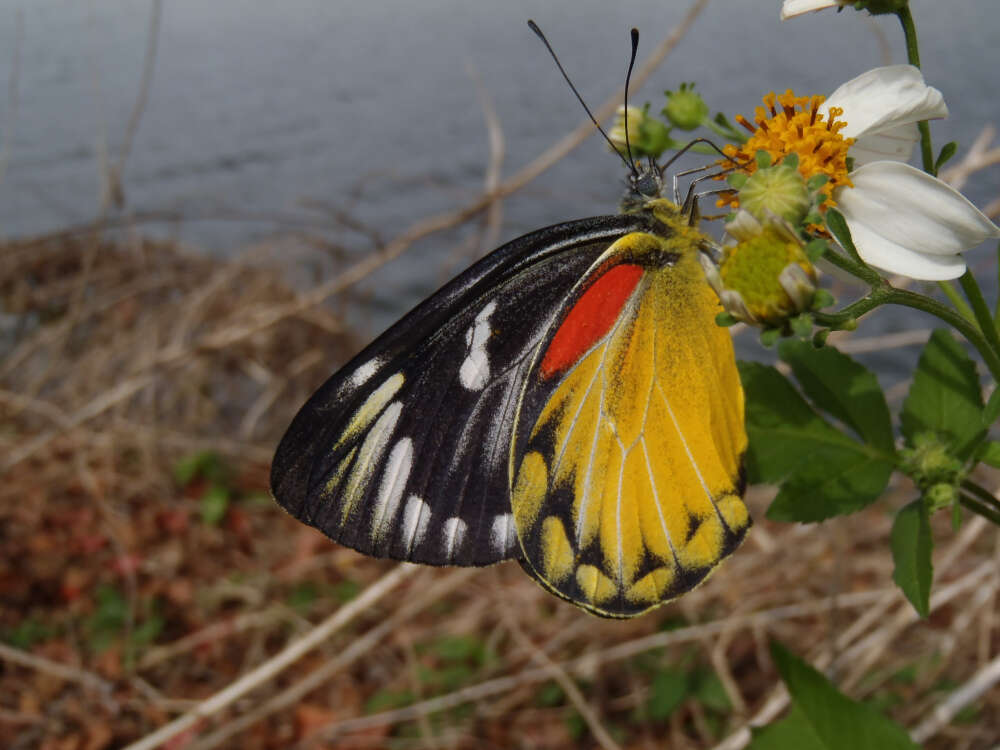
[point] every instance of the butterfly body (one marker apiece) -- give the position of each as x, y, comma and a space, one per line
568, 402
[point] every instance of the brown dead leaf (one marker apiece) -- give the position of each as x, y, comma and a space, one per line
98, 736
310, 718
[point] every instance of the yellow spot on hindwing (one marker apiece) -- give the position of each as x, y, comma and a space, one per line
733, 511
596, 587
645, 433
530, 489
557, 553
652, 587
704, 548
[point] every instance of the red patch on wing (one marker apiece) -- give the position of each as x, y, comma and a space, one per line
590, 318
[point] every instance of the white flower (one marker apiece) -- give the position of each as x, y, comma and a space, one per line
790, 8
905, 221
902, 220
882, 108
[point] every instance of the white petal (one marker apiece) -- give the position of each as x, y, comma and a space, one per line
890, 256
897, 144
885, 98
905, 221
744, 226
712, 274
791, 8
917, 210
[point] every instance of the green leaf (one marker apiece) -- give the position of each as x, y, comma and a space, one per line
206, 465
668, 691
837, 225
945, 397
843, 389
29, 632
710, 692
836, 722
990, 453
302, 597
834, 485
385, 700
460, 648
947, 151
823, 472
992, 410
794, 731
549, 695
814, 249
346, 590
911, 552
214, 504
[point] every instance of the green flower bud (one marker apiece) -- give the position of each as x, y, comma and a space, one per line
929, 462
647, 136
685, 109
779, 190
940, 495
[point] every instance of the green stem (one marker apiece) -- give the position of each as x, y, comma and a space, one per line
975, 296
976, 507
981, 493
968, 329
885, 294
855, 268
913, 56
956, 300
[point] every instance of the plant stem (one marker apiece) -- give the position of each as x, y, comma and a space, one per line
854, 268
968, 329
976, 507
913, 56
956, 300
883, 293
975, 296
982, 494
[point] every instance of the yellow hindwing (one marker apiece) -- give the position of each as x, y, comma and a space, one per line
628, 489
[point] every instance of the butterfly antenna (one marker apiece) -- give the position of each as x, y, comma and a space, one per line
534, 27
688, 146
628, 78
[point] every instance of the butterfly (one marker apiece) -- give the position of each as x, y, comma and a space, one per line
567, 402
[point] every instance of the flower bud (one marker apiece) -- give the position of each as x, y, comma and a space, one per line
685, 109
930, 464
939, 496
647, 136
779, 190
765, 278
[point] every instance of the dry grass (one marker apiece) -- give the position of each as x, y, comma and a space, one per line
125, 603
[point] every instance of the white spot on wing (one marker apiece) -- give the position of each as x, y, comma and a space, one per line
363, 373
454, 533
475, 369
390, 492
416, 516
502, 532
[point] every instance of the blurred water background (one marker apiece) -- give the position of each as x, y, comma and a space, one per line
268, 120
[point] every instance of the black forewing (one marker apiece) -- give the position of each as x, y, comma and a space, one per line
403, 453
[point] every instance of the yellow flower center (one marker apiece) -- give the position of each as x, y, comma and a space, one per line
753, 268
790, 124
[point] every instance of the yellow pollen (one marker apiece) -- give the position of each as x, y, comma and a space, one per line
790, 124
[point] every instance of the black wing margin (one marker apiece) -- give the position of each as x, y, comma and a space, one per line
403, 453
